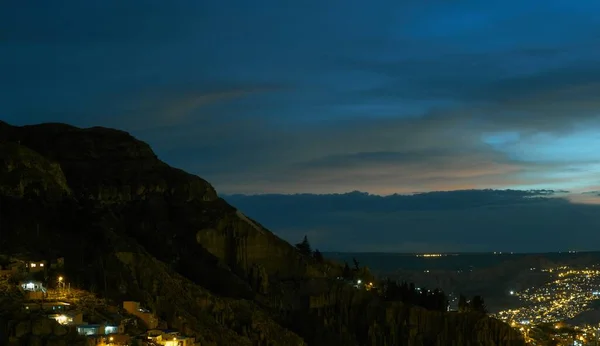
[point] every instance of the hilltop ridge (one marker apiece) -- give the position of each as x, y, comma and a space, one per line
130, 227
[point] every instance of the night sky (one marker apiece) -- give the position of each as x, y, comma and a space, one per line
333, 96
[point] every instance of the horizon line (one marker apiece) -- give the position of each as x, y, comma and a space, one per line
549, 192
465, 252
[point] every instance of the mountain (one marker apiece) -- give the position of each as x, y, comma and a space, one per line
130, 227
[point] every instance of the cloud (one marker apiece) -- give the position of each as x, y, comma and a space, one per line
170, 108
472, 220
427, 97
324, 97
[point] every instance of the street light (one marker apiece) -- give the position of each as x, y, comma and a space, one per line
60, 279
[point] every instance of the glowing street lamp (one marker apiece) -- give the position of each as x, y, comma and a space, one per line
60, 279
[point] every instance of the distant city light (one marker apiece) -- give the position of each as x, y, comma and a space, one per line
512, 293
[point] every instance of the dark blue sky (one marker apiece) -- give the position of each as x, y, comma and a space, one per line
271, 96
323, 96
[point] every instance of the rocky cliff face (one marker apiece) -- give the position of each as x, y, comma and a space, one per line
24, 171
133, 228
112, 167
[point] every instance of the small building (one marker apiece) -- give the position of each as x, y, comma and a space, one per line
97, 329
35, 266
31, 264
68, 318
169, 338
90, 329
111, 329
117, 339
34, 290
54, 307
145, 315
33, 286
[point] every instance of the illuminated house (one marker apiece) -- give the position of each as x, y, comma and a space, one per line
97, 329
134, 308
115, 339
90, 329
33, 286
169, 338
34, 290
35, 266
55, 307
68, 318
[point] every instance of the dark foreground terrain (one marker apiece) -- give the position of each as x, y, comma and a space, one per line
130, 227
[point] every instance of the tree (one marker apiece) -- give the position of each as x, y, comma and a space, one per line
304, 247
407, 293
318, 256
347, 273
356, 264
463, 305
478, 305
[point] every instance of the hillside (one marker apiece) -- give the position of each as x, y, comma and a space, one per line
130, 227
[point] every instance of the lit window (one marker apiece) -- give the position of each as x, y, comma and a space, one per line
111, 330
41, 264
32, 265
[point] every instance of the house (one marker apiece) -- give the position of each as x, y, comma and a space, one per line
97, 329
55, 307
68, 318
117, 339
134, 308
90, 329
35, 266
169, 338
33, 286
111, 340
34, 290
